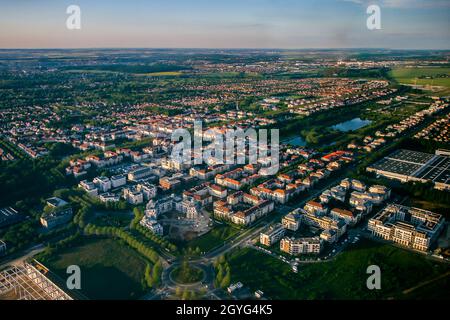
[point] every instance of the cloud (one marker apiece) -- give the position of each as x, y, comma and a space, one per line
407, 4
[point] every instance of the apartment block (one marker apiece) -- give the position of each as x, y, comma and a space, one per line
56, 212
118, 181
410, 227
272, 235
300, 246
103, 184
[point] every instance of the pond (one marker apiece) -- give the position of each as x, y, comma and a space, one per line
350, 125
296, 141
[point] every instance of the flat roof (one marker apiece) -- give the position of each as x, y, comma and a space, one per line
414, 164
9, 216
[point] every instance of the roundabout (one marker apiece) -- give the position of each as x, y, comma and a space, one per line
188, 274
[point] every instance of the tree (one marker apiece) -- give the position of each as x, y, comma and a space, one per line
185, 295
156, 273
226, 280
148, 276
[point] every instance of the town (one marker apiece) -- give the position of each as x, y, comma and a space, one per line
90, 174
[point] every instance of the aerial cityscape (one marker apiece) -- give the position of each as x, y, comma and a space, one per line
281, 170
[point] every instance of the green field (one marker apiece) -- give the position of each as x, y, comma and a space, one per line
161, 74
109, 269
213, 238
424, 76
112, 219
345, 277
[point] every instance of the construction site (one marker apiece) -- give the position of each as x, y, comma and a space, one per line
29, 281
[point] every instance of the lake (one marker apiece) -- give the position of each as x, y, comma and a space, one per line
351, 125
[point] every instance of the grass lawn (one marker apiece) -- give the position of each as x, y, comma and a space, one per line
214, 238
343, 278
112, 219
426, 76
109, 269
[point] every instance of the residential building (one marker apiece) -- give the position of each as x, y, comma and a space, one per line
88, 187
103, 184
329, 235
350, 217
155, 208
148, 190
292, 220
118, 181
272, 235
109, 197
56, 212
325, 223
133, 195
300, 246
151, 224
315, 208
140, 173
250, 208
410, 227
218, 191
168, 183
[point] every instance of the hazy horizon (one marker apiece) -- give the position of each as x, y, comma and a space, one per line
244, 24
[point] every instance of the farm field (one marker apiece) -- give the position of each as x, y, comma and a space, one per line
426, 76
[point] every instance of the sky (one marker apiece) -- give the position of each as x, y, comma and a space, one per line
290, 24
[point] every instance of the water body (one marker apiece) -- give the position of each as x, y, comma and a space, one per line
351, 125
296, 141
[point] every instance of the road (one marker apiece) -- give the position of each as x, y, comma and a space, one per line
19, 258
243, 239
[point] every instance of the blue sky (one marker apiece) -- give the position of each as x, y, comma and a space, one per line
406, 24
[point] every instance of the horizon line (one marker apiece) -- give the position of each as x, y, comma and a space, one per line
227, 48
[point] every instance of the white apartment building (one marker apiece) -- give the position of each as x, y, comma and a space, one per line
139, 173
133, 196
149, 190
151, 224
118, 181
88, 187
109, 197
102, 183
299, 246
163, 205
272, 235
410, 227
